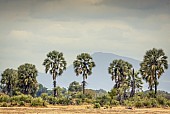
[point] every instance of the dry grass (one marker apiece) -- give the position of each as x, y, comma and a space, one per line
84, 109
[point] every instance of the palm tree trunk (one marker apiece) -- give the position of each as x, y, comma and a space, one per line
83, 84
155, 83
133, 85
54, 83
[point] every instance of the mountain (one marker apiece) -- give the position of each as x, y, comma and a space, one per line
100, 79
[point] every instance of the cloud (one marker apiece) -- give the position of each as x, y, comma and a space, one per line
20, 34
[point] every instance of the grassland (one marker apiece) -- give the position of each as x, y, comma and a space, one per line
84, 109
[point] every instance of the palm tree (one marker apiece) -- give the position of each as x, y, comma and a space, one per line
83, 65
55, 64
119, 70
153, 66
135, 82
27, 82
9, 81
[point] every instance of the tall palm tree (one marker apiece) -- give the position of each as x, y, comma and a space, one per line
55, 64
153, 66
120, 70
27, 82
83, 65
9, 81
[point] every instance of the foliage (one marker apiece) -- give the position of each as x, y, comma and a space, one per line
96, 105
55, 64
27, 81
4, 98
41, 89
38, 102
75, 87
24, 98
9, 81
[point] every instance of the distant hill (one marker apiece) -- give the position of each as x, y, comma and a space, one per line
100, 79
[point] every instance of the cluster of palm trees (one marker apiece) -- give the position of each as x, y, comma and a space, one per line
124, 77
152, 67
122, 72
22, 80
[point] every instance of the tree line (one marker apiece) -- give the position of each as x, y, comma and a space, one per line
127, 80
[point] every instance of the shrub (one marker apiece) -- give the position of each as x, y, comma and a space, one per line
139, 104
154, 102
147, 103
168, 103
25, 98
128, 103
64, 101
114, 102
37, 102
21, 103
52, 100
104, 100
161, 100
96, 105
78, 101
44, 96
4, 98
4, 104
13, 103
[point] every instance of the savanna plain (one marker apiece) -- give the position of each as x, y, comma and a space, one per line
83, 109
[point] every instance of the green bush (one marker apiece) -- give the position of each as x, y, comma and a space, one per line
96, 105
139, 104
147, 103
25, 98
64, 101
104, 100
21, 103
154, 102
37, 102
4, 98
129, 103
114, 102
52, 100
78, 101
4, 104
168, 103
161, 100
14, 103
44, 96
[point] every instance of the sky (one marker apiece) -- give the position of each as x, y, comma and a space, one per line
29, 29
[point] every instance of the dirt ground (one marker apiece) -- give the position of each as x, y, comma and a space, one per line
81, 110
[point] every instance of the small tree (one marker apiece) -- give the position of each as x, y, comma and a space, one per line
9, 81
75, 87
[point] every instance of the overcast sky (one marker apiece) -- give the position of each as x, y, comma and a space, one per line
29, 29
